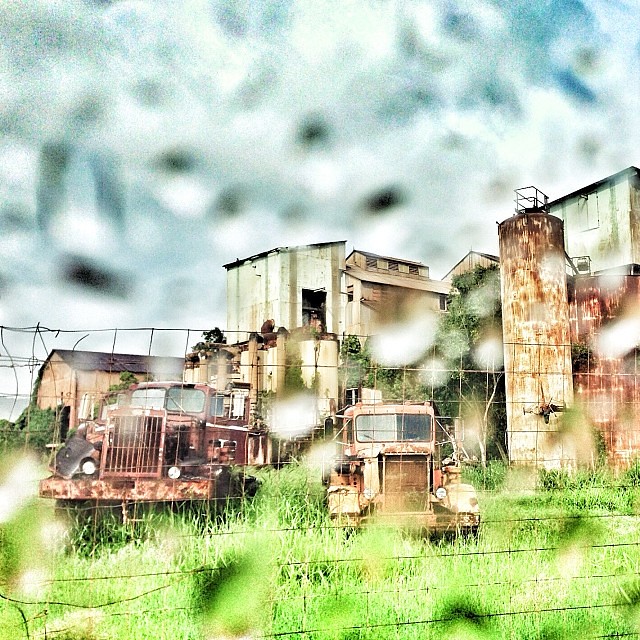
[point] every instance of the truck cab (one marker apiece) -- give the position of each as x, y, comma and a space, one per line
157, 442
389, 467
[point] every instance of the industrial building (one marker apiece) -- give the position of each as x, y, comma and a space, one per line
294, 304
570, 273
381, 290
291, 286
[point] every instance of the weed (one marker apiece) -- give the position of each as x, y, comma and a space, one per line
278, 565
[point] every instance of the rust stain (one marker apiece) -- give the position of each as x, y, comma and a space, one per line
608, 388
536, 333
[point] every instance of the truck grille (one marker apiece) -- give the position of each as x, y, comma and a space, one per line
134, 447
406, 483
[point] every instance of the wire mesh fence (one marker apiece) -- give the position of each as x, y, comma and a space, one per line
557, 553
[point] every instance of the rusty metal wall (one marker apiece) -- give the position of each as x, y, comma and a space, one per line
537, 349
607, 384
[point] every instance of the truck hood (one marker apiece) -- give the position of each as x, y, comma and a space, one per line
381, 448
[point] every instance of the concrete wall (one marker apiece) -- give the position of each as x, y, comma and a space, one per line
320, 362
265, 365
599, 223
269, 286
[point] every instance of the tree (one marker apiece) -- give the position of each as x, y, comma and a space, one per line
126, 380
214, 336
469, 342
355, 362
360, 369
209, 340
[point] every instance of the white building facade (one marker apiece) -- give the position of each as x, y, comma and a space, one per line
291, 286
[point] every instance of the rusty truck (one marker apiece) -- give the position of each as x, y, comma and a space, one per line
160, 442
390, 467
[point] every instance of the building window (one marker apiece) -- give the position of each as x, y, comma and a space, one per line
588, 211
352, 396
314, 303
403, 268
350, 293
382, 264
443, 302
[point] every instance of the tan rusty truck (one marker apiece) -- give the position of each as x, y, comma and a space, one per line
160, 442
389, 467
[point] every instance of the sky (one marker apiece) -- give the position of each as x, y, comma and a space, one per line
143, 145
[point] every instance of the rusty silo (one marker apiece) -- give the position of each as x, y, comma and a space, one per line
535, 316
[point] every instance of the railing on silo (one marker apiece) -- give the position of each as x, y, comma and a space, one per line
531, 200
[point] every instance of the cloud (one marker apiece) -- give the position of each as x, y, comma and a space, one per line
160, 140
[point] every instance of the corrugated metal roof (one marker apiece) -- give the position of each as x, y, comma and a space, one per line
594, 185
487, 256
375, 255
169, 367
238, 261
434, 286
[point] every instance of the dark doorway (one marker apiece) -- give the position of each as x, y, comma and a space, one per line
314, 303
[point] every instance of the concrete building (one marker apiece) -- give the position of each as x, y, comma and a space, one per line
291, 286
261, 363
537, 349
595, 315
602, 238
382, 290
296, 303
602, 223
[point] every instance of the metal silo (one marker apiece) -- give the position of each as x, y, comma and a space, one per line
535, 316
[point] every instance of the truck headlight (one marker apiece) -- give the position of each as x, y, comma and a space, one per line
441, 493
88, 467
369, 494
174, 473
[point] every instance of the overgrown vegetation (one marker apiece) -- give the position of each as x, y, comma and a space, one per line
33, 429
557, 556
210, 339
126, 380
293, 380
469, 344
466, 364
359, 369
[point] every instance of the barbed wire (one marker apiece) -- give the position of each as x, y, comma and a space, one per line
457, 553
40, 335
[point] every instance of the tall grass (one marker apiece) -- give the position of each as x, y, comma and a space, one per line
552, 559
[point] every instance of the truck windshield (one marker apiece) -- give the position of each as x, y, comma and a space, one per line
393, 427
185, 399
148, 398
172, 399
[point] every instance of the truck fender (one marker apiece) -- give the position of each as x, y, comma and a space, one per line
70, 457
343, 501
462, 498
371, 476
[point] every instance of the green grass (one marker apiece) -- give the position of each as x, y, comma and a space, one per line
555, 558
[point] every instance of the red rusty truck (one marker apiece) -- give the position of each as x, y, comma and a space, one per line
160, 442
